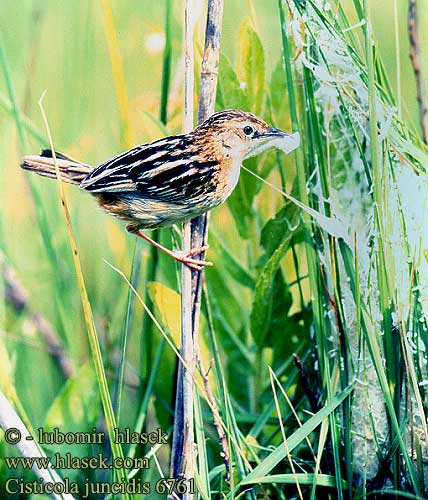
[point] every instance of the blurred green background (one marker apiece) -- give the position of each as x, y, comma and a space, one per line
61, 48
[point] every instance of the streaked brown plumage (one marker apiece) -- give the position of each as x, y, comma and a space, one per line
173, 179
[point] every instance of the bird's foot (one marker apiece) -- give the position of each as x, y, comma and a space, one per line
198, 250
180, 256
186, 258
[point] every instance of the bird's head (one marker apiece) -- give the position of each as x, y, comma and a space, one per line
243, 135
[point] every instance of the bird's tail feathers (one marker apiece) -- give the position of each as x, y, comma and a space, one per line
71, 171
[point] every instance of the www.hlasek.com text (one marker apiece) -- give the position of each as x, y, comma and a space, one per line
68, 461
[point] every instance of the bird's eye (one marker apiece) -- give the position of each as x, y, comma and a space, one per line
248, 130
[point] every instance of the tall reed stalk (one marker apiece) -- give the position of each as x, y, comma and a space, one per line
195, 235
182, 453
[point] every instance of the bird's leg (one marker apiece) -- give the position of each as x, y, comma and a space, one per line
183, 257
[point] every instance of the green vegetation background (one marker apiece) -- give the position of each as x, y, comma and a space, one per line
61, 48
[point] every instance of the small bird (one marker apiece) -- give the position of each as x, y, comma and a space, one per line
173, 179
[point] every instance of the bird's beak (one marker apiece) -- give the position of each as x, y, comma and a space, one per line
273, 138
283, 140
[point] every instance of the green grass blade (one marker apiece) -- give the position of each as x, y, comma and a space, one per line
201, 446
321, 479
296, 438
135, 272
147, 393
40, 211
90, 325
25, 122
166, 64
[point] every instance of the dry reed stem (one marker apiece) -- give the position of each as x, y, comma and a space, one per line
194, 236
218, 424
208, 89
199, 226
182, 453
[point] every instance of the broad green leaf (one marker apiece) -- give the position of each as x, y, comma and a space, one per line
284, 221
244, 89
266, 163
75, 409
168, 305
241, 200
278, 334
251, 65
233, 266
227, 307
278, 97
230, 92
261, 312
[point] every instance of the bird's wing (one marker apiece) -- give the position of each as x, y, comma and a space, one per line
121, 173
183, 181
165, 170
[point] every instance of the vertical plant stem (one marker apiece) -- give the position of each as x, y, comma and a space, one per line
182, 454
397, 58
194, 236
414, 57
166, 64
207, 94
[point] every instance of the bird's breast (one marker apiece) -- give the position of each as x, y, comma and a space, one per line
227, 177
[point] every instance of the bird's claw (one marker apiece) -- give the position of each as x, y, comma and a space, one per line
197, 251
195, 264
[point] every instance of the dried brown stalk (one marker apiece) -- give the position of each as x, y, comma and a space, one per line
199, 226
182, 452
194, 236
208, 89
217, 419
